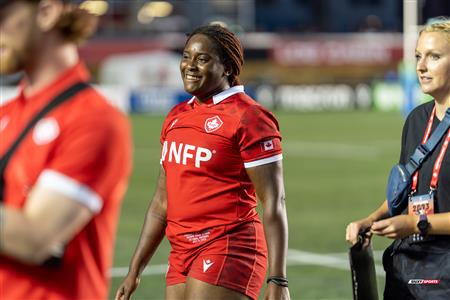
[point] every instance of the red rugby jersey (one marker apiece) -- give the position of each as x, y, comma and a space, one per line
81, 149
205, 151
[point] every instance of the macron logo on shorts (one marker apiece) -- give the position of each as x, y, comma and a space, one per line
207, 264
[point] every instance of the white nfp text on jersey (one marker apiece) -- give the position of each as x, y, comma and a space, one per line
182, 153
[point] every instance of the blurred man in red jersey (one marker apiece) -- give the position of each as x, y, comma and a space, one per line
63, 185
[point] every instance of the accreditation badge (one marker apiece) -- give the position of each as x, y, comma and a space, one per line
421, 204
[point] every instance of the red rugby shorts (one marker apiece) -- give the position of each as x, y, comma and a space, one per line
236, 260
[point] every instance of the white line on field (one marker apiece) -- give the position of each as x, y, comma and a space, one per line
149, 270
294, 258
298, 257
377, 255
335, 150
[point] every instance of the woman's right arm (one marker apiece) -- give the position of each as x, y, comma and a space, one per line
354, 228
152, 234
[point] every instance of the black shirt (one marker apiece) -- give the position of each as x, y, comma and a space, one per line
413, 132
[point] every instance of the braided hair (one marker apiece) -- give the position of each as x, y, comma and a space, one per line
228, 47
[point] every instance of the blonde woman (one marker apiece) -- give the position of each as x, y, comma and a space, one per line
417, 263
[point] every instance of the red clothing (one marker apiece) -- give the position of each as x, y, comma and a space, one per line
206, 149
236, 260
81, 149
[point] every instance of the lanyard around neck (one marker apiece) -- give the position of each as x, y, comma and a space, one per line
438, 162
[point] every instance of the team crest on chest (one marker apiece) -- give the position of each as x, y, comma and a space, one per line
45, 131
212, 124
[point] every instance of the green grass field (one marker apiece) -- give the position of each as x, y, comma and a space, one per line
335, 166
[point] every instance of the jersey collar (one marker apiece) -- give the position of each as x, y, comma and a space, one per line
216, 99
74, 74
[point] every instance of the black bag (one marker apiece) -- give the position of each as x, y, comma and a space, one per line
398, 188
418, 270
59, 99
399, 181
362, 267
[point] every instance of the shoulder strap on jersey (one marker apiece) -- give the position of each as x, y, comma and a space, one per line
59, 99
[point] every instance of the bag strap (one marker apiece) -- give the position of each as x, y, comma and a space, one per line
423, 150
57, 100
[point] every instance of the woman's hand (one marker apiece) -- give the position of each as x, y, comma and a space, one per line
127, 287
276, 292
396, 227
354, 229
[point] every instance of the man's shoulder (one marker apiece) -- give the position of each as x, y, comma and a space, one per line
92, 104
91, 111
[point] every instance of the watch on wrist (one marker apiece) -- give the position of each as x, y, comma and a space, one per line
423, 224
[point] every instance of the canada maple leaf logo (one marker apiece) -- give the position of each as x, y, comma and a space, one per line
267, 145
212, 124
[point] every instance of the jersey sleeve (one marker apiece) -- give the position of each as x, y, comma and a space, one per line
259, 137
92, 160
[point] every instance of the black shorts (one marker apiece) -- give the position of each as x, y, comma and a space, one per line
417, 270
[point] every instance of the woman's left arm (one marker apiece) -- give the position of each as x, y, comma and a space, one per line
403, 225
268, 181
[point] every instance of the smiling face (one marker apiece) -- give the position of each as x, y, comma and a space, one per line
203, 73
433, 64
